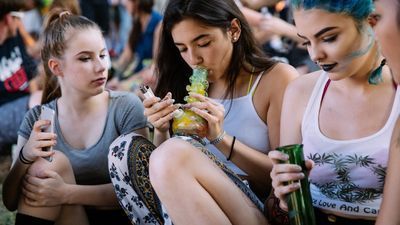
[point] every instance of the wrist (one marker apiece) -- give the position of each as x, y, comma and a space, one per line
160, 136
283, 206
161, 132
67, 195
23, 159
218, 139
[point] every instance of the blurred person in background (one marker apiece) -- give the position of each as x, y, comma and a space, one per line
387, 29
97, 11
273, 28
135, 66
17, 69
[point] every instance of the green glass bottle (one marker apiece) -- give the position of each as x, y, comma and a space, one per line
185, 121
301, 211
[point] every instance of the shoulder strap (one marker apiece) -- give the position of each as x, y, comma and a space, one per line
253, 88
325, 89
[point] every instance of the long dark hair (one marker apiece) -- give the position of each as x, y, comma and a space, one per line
173, 72
57, 25
144, 6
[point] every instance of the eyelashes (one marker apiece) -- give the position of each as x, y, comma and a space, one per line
198, 45
329, 39
86, 59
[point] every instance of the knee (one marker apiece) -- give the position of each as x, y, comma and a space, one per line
59, 164
169, 158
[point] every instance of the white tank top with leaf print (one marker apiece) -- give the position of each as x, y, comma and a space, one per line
348, 175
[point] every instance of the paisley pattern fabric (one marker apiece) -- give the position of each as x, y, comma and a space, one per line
129, 171
128, 162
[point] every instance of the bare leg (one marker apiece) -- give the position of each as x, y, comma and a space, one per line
68, 214
195, 191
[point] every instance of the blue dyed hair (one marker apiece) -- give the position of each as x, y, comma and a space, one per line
358, 9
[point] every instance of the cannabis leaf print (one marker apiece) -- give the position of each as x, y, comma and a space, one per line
342, 187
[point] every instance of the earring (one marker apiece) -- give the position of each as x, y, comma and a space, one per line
234, 39
376, 75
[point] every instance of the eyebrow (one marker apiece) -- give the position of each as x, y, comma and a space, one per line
89, 52
319, 33
195, 39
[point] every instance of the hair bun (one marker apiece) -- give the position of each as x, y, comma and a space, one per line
64, 14
55, 15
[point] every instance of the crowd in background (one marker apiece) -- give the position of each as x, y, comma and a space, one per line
308, 72
132, 66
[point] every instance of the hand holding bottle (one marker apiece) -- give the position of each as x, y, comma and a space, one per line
284, 174
188, 122
211, 111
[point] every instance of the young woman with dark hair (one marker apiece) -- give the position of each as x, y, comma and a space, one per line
197, 183
141, 48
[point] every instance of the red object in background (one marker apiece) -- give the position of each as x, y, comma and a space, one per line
17, 82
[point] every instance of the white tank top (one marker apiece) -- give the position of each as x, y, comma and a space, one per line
348, 175
243, 122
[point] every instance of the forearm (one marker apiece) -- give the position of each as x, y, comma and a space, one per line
253, 17
261, 36
256, 164
388, 213
290, 31
256, 4
144, 132
160, 137
12, 185
102, 195
123, 60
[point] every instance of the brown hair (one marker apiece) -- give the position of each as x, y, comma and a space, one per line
173, 72
70, 5
57, 25
144, 6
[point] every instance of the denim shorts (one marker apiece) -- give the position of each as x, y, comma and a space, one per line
11, 115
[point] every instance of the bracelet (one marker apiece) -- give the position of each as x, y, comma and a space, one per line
218, 139
23, 159
231, 151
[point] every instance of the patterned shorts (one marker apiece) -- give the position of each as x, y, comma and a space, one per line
128, 163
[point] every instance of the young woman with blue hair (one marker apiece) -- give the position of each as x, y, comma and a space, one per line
344, 114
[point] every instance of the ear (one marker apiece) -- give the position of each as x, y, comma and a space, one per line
55, 67
235, 30
372, 19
